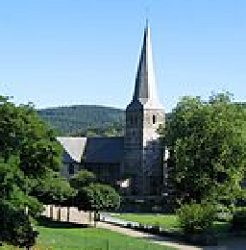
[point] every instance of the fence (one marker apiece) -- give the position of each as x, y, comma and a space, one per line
62, 214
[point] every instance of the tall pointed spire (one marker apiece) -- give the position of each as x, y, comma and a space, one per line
145, 86
144, 115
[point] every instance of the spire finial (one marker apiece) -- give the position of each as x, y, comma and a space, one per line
147, 15
147, 22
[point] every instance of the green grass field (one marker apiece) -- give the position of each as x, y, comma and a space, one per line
167, 221
91, 239
54, 235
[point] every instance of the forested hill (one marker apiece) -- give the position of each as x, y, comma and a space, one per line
84, 120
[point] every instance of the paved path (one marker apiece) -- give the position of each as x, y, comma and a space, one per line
153, 238
234, 243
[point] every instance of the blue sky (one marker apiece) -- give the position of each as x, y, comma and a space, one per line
57, 52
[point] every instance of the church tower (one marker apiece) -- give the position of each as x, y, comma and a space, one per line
144, 114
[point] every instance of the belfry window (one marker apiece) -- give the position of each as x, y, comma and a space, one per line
131, 120
154, 119
71, 169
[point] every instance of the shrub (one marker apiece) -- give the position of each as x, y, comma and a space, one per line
196, 218
239, 219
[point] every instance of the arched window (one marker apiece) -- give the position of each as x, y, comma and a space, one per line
154, 119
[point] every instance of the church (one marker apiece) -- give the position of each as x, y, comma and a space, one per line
134, 162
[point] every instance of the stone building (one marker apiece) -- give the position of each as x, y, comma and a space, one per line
135, 160
101, 155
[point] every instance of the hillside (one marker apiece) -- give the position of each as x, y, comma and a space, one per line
84, 120
88, 120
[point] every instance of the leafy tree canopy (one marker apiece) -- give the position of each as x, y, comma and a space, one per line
82, 179
22, 133
29, 163
207, 145
91, 196
54, 189
97, 197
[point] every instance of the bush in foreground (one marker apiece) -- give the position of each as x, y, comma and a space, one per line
196, 218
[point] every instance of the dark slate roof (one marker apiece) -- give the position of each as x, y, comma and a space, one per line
104, 150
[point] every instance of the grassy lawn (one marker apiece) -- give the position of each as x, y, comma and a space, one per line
71, 236
91, 238
168, 221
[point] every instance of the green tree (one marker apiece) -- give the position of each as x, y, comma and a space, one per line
14, 200
16, 227
22, 133
30, 158
97, 197
82, 178
56, 191
207, 146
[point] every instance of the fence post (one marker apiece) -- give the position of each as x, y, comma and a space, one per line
59, 213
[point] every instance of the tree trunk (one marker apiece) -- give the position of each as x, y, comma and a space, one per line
95, 219
59, 213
